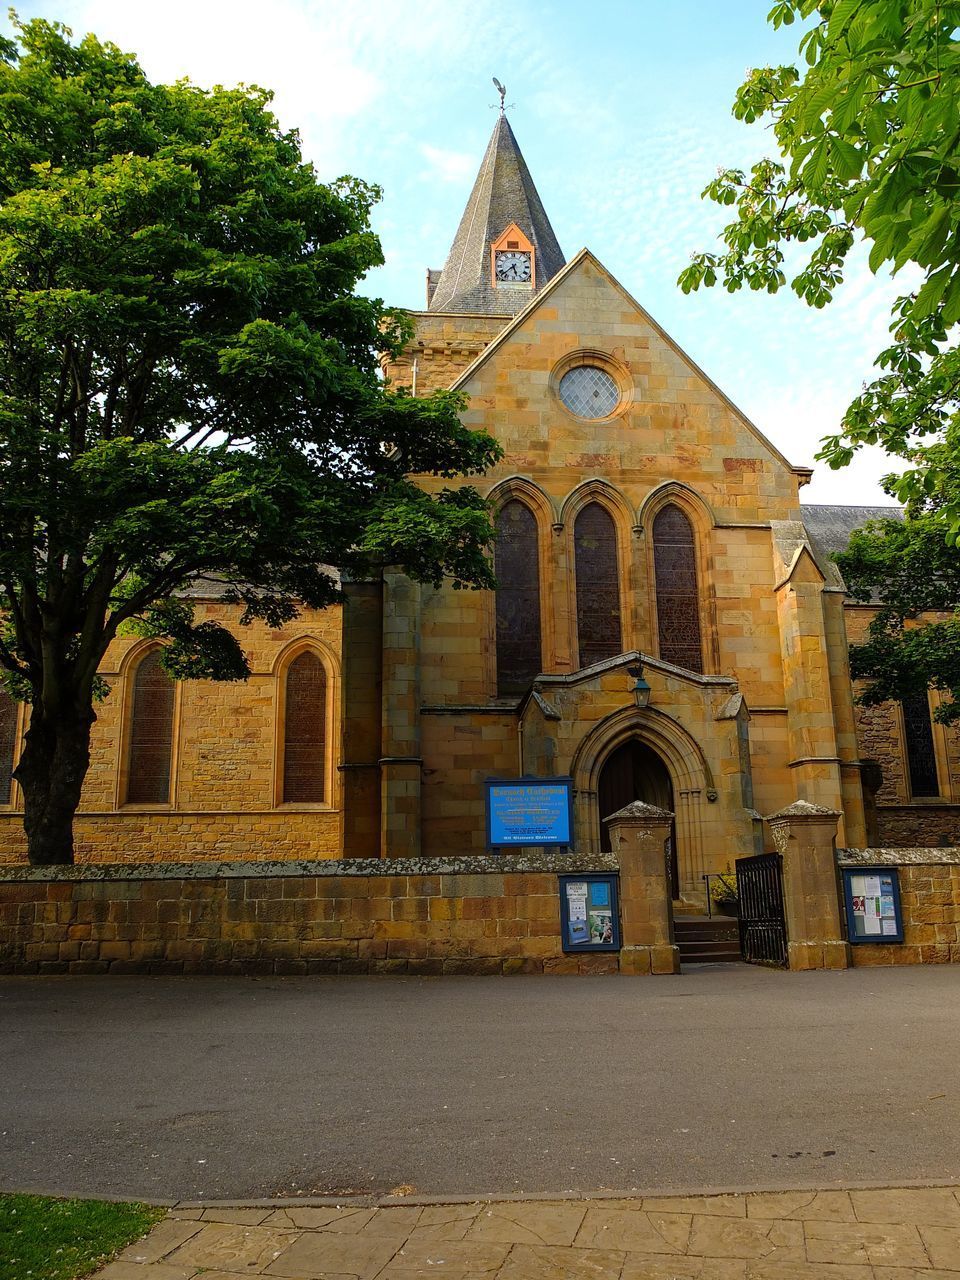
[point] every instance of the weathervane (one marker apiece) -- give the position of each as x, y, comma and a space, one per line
501, 89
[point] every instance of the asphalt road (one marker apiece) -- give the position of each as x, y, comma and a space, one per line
233, 1088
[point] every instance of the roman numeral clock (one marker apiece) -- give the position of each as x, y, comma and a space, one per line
512, 260
510, 265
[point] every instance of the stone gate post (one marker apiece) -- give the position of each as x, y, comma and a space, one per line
638, 836
805, 834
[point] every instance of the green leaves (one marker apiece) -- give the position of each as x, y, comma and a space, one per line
189, 381
908, 568
869, 135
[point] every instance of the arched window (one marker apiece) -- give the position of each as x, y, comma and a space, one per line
151, 733
921, 756
678, 599
598, 585
8, 744
517, 567
305, 731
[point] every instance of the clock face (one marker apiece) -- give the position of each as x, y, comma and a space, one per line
512, 266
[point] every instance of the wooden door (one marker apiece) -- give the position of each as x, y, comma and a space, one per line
635, 772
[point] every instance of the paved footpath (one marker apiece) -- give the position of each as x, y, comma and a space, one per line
898, 1234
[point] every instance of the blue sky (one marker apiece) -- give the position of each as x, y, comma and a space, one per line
622, 110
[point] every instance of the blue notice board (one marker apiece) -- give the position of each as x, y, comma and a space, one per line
534, 811
872, 897
589, 913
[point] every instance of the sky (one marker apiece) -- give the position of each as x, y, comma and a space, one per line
622, 109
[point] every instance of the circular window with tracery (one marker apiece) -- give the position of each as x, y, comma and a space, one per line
589, 391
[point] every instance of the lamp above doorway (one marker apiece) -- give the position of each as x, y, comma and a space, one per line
641, 690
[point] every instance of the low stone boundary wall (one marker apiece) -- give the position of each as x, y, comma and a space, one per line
930, 901
475, 915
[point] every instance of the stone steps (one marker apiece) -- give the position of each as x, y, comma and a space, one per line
707, 940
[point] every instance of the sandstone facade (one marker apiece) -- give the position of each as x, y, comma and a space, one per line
415, 714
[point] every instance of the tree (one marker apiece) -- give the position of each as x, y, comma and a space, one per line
189, 388
907, 569
869, 140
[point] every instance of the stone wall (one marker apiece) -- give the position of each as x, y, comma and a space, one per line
129, 836
415, 916
226, 759
930, 901
446, 343
912, 825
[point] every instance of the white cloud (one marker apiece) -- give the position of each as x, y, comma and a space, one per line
448, 166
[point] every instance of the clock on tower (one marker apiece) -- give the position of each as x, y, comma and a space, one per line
511, 265
512, 260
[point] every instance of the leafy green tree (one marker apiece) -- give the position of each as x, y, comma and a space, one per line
868, 132
908, 569
189, 388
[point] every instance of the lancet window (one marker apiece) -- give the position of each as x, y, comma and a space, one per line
678, 597
8, 744
305, 730
517, 568
921, 756
598, 585
151, 733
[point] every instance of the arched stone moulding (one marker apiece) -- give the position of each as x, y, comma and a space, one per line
690, 778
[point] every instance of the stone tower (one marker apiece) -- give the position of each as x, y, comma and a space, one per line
504, 253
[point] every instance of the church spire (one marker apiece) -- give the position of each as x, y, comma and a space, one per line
505, 250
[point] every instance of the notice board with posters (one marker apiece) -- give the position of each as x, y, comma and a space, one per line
872, 897
529, 811
589, 913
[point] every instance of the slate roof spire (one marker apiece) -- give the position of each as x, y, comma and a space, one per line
503, 193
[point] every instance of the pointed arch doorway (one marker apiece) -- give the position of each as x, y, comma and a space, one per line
634, 771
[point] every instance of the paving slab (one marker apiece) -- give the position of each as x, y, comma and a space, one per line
938, 1206
819, 1206
721, 1237
634, 1230
886, 1244
534, 1223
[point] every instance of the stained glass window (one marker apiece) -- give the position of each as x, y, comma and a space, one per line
921, 757
305, 731
589, 392
598, 585
8, 743
678, 599
517, 568
151, 733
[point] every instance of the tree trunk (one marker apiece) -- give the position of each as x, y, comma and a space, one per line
56, 753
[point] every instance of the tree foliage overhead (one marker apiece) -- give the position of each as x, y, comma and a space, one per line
868, 134
189, 388
907, 569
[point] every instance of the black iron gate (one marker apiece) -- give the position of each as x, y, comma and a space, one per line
763, 931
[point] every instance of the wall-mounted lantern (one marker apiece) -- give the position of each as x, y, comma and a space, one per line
641, 690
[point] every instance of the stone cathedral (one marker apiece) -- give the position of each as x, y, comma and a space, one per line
668, 624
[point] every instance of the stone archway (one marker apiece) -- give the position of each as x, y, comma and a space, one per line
634, 771
688, 774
